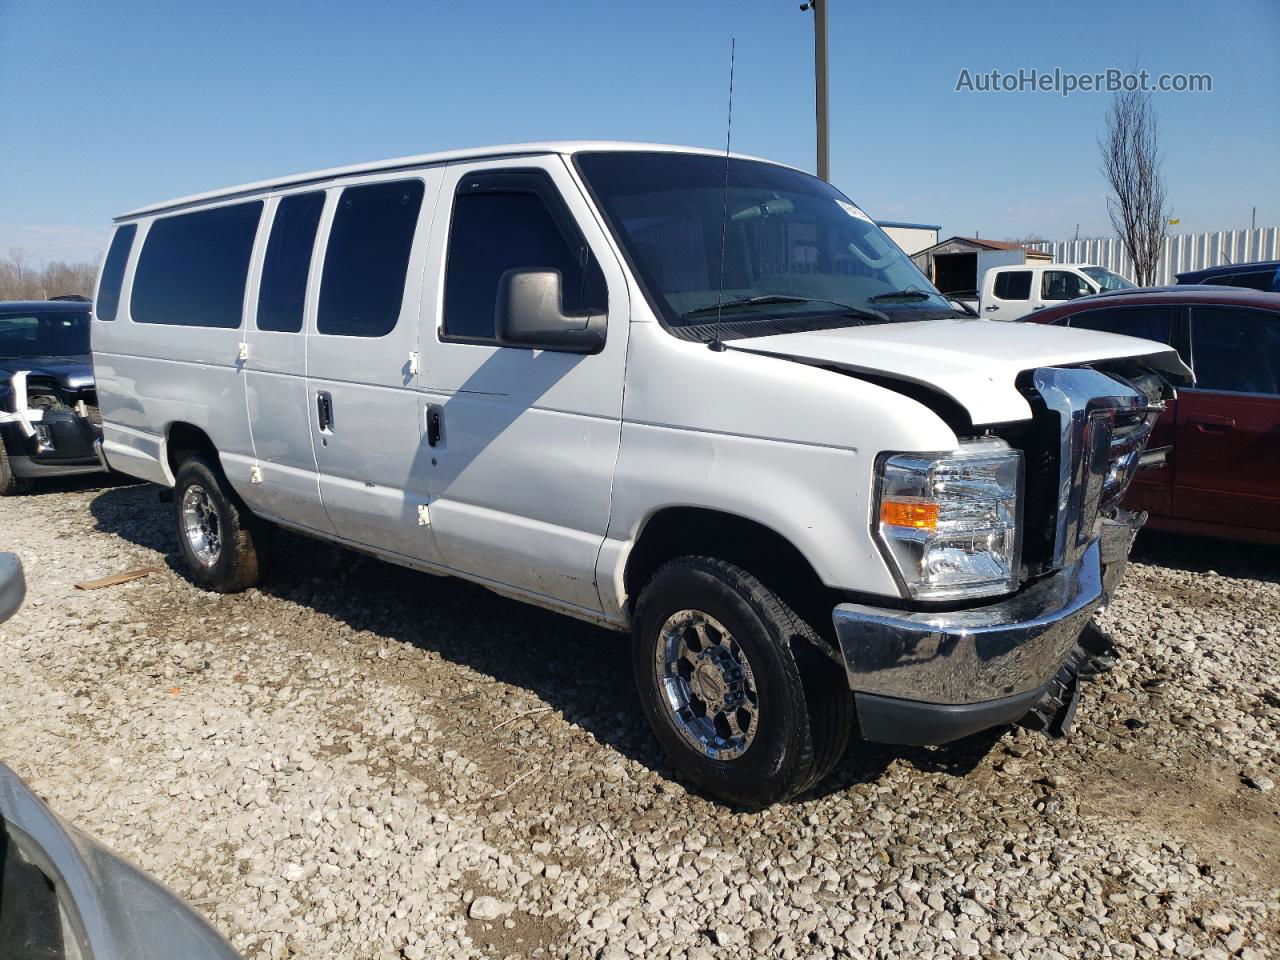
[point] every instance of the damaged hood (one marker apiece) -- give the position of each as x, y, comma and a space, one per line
974, 362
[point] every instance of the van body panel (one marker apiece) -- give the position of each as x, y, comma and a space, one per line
370, 458
741, 433
154, 375
275, 371
522, 473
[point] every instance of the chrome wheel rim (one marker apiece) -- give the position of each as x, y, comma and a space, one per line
200, 524
706, 682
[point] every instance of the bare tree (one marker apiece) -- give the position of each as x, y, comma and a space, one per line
1027, 241
20, 281
1131, 160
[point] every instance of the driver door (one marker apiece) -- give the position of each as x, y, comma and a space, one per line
522, 443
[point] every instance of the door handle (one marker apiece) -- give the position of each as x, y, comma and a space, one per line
990, 308
1210, 423
435, 424
324, 410
1041, 307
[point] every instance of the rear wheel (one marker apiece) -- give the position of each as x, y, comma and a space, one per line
9, 484
734, 685
219, 537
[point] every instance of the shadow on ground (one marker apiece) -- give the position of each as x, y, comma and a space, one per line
1247, 561
44, 487
581, 671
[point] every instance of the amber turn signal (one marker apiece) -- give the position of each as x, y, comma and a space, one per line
919, 514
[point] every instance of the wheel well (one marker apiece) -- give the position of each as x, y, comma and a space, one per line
696, 531
184, 439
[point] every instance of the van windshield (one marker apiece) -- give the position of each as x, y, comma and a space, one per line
38, 333
797, 254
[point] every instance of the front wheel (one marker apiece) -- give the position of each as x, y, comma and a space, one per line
734, 686
219, 538
9, 484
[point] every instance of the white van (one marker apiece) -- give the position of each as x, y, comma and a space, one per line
730, 417
1015, 291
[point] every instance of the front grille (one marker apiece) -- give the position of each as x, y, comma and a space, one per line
1039, 442
1089, 434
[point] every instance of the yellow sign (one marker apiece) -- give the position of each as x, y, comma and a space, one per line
1174, 220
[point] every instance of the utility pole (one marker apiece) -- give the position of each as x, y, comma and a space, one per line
819, 8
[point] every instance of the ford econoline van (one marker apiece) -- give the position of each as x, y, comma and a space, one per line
700, 398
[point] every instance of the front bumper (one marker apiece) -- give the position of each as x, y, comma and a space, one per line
64, 446
933, 677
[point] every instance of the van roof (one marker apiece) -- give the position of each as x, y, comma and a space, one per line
566, 147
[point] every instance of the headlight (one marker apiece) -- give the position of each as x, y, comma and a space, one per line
949, 523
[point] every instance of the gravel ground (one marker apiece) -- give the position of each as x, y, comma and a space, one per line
358, 761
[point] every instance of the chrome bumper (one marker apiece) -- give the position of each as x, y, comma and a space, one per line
987, 653
100, 452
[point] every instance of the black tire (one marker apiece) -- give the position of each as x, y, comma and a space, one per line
9, 484
803, 707
229, 561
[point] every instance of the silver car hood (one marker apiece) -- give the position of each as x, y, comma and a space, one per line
111, 910
974, 362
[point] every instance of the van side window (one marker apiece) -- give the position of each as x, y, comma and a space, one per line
362, 287
1013, 285
283, 290
193, 267
107, 301
507, 221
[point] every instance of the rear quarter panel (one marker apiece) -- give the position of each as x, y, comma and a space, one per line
150, 376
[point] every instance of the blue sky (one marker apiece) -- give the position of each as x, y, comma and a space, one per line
105, 106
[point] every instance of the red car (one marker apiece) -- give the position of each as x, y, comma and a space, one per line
1222, 477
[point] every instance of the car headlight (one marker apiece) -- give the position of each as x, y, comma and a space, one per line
949, 522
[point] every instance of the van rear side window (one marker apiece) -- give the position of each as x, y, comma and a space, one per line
107, 301
283, 290
362, 288
193, 267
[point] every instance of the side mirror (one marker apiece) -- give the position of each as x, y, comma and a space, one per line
13, 586
530, 314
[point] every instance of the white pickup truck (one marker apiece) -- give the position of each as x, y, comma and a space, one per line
1013, 291
702, 399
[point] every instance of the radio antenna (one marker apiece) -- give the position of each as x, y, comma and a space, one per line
717, 344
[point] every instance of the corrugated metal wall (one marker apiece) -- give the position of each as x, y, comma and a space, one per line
1186, 251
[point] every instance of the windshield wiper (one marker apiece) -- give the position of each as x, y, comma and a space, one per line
908, 294
744, 302
767, 299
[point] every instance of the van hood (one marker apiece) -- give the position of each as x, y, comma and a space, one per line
974, 362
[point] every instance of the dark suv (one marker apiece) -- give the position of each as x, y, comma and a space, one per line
1263, 275
49, 422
